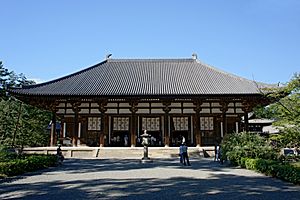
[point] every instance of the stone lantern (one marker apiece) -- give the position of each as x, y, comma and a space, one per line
145, 143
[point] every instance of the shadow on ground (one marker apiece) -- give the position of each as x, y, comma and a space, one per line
95, 165
217, 186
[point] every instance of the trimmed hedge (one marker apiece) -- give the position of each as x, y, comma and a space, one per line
283, 171
27, 164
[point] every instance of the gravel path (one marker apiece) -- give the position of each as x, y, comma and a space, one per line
129, 179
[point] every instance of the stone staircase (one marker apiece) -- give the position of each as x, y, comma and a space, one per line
123, 152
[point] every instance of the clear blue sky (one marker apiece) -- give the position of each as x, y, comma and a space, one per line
255, 39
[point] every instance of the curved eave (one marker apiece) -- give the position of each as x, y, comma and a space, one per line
138, 96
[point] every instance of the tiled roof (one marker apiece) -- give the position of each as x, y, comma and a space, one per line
145, 77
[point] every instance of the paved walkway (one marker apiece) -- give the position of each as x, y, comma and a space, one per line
162, 179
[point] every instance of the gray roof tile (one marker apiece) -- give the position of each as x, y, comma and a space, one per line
127, 77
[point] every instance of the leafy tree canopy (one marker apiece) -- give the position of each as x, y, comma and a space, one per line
286, 107
20, 124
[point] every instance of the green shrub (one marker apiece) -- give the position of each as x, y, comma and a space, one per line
7, 154
242, 162
274, 168
27, 164
251, 145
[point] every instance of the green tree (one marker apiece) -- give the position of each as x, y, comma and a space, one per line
285, 109
20, 124
4, 74
286, 103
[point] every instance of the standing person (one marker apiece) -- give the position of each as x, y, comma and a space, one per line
181, 152
185, 155
125, 140
217, 149
220, 155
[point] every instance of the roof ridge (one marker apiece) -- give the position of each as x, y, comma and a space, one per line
150, 59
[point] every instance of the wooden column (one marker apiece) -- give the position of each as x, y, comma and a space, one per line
76, 110
61, 131
53, 130
224, 109
75, 134
64, 129
166, 109
52, 105
248, 106
197, 132
133, 122
246, 121
101, 142
102, 108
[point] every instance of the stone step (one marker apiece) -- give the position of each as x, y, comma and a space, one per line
122, 152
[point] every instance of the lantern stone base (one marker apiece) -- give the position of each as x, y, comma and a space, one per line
146, 160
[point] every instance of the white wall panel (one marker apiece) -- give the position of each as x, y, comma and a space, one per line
114, 105
143, 111
215, 105
124, 105
216, 110
95, 111
230, 110
157, 111
111, 111
238, 104
239, 110
188, 105
205, 110
143, 105
69, 111
95, 105
61, 111
205, 105
176, 105
175, 111
62, 105
156, 105
124, 111
84, 105
189, 111
84, 111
